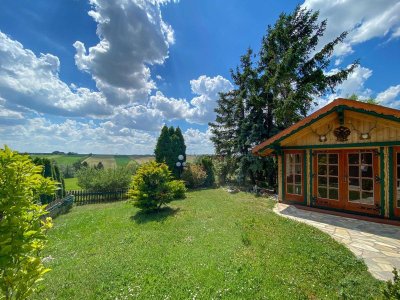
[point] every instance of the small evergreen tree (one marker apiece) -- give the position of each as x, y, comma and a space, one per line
170, 145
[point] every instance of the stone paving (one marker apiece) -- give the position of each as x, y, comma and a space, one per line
377, 244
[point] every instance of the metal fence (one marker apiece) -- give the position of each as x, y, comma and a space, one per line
89, 197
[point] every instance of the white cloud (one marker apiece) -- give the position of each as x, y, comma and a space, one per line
363, 20
200, 109
355, 84
86, 137
198, 142
132, 36
390, 97
32, 82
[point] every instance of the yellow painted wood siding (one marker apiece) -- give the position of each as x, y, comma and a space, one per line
384, 130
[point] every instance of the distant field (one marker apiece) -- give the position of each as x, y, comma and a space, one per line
71, 184
108, 161
62, 159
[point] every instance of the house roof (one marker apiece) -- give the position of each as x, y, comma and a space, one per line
267, 147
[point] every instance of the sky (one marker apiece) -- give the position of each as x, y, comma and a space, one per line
102, 76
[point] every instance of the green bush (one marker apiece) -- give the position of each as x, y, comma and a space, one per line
178, 189
22, 226
207, 163
94, 179
391, 290
153, 186
194, 176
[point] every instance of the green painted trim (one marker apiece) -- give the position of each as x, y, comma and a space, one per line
382, 177
337, 108
305, 192
334, 146
283, 177
311, 176
391, 183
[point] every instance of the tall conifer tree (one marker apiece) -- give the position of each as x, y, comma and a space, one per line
275, 91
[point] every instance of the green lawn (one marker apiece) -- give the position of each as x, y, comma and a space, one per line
212, 245
71, 184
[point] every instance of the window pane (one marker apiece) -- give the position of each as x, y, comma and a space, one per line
354, 196
297, 189
367, 185
290, 189
298, 158
367, 198
354, 183
354, 171
333, 182
290, 179
289, 158
366, 171
333, 170
354, 159
333, 194
366, 158
298, 169
322, 193
297, 179
333, 159
322, 170
322, 159
322, 181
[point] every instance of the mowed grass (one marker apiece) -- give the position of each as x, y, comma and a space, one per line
71, 184
62, 159
212, 245
108, 161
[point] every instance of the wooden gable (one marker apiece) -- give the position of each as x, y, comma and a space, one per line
382, 124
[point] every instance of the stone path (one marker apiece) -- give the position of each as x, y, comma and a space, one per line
377, 244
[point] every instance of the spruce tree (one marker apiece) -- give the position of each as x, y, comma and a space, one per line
274, 91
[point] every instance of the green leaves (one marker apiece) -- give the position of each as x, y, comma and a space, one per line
153, 186
22, 228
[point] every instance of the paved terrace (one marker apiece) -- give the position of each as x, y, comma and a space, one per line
377, 244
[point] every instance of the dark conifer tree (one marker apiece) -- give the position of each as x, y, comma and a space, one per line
275, 91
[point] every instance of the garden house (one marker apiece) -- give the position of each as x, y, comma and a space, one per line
345, 157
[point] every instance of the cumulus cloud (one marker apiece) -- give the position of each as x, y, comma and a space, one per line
198, 142
363, 20
355, 84
132, 36
92, 136
390, 97
199, 109
28, 81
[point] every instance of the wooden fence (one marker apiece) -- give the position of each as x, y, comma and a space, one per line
88, 197
59, 206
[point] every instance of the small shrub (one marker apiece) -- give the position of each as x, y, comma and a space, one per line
194, 176
94, 179
153, 186
207, 163
22, 227
178, 189
391, 290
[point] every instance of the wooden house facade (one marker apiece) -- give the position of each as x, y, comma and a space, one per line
344, 157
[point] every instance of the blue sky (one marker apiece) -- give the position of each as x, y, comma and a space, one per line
104, 76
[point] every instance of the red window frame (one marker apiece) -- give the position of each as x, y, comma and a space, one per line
292, 196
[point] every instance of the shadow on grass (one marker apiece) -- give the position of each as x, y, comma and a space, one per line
160, 215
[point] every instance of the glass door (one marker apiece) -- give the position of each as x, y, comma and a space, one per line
327, 175
362, 182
